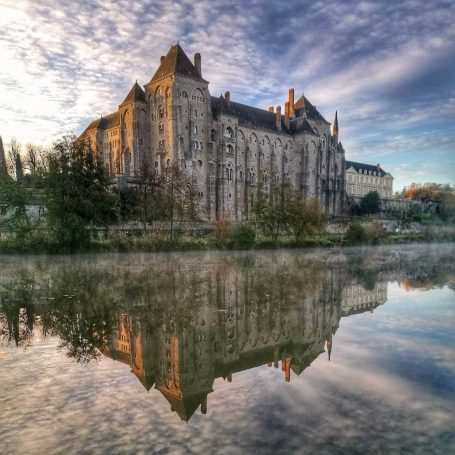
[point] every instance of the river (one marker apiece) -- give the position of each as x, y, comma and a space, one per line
288, 351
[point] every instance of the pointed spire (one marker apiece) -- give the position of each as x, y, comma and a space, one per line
329, 347
335, 125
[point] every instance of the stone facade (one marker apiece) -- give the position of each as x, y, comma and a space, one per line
231, 149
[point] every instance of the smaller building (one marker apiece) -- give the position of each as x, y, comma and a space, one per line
363, 178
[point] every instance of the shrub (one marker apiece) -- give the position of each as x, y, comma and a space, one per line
222, 231
376, 231
356, 233
243, 235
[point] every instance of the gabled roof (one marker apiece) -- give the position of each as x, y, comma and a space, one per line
146, 380
135, 94
300, 124
176, 62
103, 123
368, 167
185, 407
247, 115
303, 108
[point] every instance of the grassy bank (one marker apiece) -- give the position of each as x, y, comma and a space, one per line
161, 241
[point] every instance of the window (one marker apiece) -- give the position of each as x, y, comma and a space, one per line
161, 112
161, 128
195, 129
199, 163
229, 133
183, 95
213, 135
195, 113
229, 149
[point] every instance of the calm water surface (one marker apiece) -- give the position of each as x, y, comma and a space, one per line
270, 352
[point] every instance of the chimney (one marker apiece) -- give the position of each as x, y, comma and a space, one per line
291, 104
271, 109
378, 167
286, 114
197, 62
204, 405
162, 59
227, 98
278, 117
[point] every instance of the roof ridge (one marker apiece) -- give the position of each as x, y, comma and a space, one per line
176, 62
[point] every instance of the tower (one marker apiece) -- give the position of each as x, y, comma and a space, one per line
133, 132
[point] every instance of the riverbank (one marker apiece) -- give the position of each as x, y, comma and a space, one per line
153, 241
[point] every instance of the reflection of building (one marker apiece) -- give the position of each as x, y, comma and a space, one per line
235, 327
357, 299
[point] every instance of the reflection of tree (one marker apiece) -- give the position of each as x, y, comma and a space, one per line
83, 312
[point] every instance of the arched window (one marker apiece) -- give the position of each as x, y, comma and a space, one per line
230, 149
199, 163
161, 112
228, 132
183, 94
213, 135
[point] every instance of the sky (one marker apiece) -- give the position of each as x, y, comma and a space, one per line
387, 67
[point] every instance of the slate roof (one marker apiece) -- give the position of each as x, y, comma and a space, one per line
260, 118
135, 94
176, 62
247, 115
367, 167
301, 124
185, 407
303, 108
103, 123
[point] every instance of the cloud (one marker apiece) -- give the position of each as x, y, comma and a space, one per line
384, 65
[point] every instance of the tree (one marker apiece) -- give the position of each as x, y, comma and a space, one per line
13, 207
369, 204
306, 217
14, 162
14, 197
272, 209
442, 193
77, 193
177, 197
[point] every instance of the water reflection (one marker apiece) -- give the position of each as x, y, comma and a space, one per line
181, 322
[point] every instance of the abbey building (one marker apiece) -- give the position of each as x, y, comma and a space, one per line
231, 149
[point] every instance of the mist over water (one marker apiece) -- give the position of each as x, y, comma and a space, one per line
312, 351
